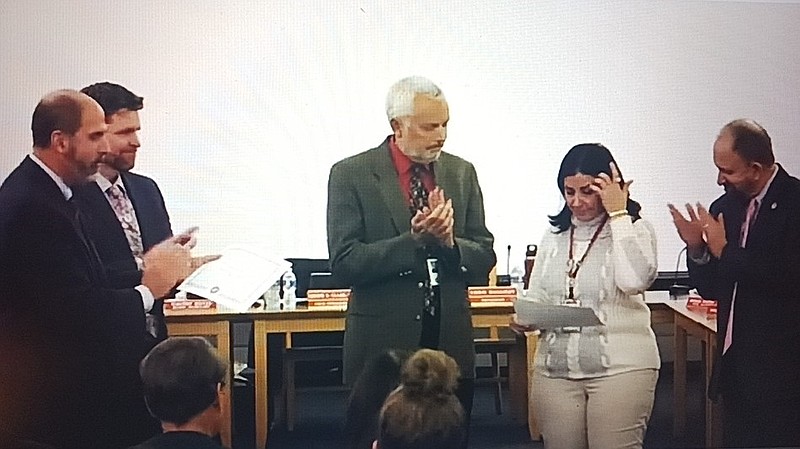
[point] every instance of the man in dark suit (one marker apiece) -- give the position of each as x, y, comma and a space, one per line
125, 217
745, 252
406, 230
125, 212
68, 340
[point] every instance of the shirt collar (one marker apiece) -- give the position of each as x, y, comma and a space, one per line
65, 189
763, 192
105, 184
402, 162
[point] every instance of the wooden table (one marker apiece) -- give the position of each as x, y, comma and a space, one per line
217, 324
698, 325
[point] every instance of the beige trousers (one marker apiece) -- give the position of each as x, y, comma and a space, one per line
608, 412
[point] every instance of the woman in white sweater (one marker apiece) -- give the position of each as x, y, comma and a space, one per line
593, 387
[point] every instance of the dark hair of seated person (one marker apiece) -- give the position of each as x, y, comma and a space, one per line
379, 377
181, 377
423, 412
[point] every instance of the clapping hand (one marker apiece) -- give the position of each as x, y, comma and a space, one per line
700, 229
434, 224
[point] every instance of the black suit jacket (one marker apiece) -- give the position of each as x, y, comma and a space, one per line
107, 234
766, 327
103, 228
69, 344
372, 250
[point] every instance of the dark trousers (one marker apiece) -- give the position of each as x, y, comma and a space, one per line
752, 415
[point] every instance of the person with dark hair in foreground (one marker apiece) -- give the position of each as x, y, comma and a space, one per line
594, 386
744, 251
423, 412
183, 380
380, 376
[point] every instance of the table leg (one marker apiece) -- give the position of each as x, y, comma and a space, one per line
531, 343
261, 406
518, 381
679, 381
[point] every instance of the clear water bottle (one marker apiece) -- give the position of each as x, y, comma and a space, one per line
289, 290
517, 277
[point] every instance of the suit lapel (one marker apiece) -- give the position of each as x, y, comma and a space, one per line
385, 176
768, 211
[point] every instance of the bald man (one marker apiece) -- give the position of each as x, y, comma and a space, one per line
68, 342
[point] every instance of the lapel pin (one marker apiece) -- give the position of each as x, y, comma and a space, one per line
773, 206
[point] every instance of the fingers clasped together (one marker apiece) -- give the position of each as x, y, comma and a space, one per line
434, 223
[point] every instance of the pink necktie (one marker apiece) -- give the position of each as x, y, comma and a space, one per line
752, 210
124, 211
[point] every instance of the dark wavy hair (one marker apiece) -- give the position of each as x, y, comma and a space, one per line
587, 159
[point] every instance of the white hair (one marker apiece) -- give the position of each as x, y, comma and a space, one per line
400, 99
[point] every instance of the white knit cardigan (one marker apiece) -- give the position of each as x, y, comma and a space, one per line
619, 267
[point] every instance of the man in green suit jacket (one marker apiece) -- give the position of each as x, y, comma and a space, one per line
381, 242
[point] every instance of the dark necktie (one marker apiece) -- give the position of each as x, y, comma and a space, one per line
419, 194
419, 201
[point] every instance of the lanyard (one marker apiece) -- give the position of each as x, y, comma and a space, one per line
572, 265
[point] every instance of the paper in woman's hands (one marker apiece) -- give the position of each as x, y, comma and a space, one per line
237, 279
549, 316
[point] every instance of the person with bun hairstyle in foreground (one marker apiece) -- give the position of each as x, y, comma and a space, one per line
423, 412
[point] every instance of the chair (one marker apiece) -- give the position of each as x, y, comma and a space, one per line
307, 348
494, 346
290, 358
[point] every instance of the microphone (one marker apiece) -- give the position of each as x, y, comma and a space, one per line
508, 260
678, 291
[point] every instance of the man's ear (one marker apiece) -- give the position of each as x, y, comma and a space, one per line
218, 399
397, 127
59, 141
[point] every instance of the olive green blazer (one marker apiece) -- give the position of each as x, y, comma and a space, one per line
371, 249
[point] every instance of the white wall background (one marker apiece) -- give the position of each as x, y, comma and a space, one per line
248, 103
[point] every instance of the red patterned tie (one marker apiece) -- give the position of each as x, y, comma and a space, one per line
124, 211
752, 211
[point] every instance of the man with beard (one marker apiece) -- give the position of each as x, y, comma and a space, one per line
68, 339
124, 216
745, 252
406, 230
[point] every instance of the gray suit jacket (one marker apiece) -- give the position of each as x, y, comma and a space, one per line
371, 249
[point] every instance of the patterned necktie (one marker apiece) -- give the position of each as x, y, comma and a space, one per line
124, 211
419, 201
419, 194
752, 211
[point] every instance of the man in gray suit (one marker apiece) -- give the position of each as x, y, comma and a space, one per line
406, 230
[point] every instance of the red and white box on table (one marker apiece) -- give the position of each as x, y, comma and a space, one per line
328, 298
699, 304
491, 295
189, 304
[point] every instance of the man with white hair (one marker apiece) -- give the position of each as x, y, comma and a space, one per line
406, 230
